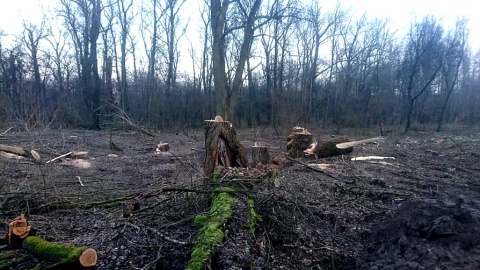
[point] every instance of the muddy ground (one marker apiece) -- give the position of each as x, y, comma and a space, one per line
418, 210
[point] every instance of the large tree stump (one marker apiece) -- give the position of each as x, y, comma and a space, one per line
222, 146
327, 148
298, 140
260, 155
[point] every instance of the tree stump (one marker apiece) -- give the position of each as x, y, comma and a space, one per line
298, 140
222, 146
260, 155
327, 149
162, 147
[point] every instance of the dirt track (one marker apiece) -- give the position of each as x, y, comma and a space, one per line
420, 210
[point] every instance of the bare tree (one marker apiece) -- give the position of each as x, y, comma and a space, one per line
83, 20
455, 46
422, 61
226, 96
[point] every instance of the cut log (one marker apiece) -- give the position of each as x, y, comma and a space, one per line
327, 149
20, 151
60, 253
222, 146
298, 140
260, 155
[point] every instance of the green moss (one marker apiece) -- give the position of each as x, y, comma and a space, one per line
216, 175
4, 257
200, 219
210, 236
52, 251
254, 217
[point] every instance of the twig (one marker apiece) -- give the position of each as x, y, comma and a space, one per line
61, 156
5, 132
80, 180
311, 168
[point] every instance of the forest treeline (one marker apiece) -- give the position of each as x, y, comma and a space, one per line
257, 63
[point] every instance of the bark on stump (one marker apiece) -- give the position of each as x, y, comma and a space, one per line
327, 149
260, 155
222, 146
298, 140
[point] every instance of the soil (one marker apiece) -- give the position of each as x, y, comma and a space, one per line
419, 209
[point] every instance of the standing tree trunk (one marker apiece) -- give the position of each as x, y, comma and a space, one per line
222, 146
227, 98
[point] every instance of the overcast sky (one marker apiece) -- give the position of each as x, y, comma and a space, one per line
400, 12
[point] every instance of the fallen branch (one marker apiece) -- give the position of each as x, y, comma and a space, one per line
124, 116
59, 157
5, 132
311, 168
371, 158
14, 262
346, 145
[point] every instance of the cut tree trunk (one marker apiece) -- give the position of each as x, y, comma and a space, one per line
60, 253
222, 146
327, 149
260, 155
298, 140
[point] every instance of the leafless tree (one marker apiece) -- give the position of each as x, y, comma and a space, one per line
83, 20
455, 46
422, 61
246, 12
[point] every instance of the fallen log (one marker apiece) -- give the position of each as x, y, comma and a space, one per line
210, 237
20, 151
327, 149
60, 253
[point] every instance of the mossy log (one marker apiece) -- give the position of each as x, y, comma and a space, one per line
60, 253
222, 146
298, 140
327, 149
210, 237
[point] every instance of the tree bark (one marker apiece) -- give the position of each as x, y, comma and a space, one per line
222, 147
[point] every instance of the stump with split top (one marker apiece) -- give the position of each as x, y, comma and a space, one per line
222, 146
